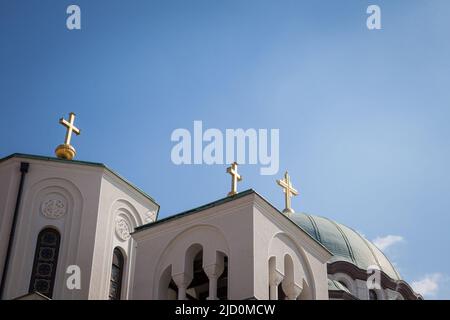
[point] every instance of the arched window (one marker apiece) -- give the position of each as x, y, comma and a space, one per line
198, 288
116, 275
45, 262
222, 282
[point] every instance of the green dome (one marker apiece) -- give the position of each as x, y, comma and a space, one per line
344, 243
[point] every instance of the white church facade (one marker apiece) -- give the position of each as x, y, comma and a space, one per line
60, 217
57, 213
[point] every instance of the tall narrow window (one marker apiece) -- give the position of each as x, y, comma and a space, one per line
116, 275
45, 262
198, 288
222, 282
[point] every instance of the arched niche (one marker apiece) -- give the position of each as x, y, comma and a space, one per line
56, 203
123, 218
290, 260
167, 289
182, 251
346, 280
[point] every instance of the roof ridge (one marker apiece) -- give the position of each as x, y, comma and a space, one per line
81, 162
347, 242
366, 242
389, 261
225, 200
197, 209
314, 225
369, 244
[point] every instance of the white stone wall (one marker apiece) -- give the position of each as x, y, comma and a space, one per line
9, 177
249, 232
120, 211
89, 199
280, 239
226, 229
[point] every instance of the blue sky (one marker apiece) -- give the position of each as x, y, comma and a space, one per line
363, 115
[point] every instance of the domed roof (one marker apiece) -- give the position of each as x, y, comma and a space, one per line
344, 243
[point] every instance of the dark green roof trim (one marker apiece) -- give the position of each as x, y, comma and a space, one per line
84, 163
195, 210
37, 157
222, 201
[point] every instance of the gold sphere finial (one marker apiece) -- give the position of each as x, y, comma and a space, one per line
66, 150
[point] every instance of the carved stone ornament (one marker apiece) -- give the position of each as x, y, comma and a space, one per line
122, 229
53, 208
150, 216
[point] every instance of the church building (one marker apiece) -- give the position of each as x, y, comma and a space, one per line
61, 217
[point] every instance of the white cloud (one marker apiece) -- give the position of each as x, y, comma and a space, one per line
385, 242
428, 285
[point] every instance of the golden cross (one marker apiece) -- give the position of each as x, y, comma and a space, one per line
235, 177
70, 127
66, 151
289, 192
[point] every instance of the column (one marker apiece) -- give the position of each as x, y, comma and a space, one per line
275, 278
291, 289
182, 280
213, 271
